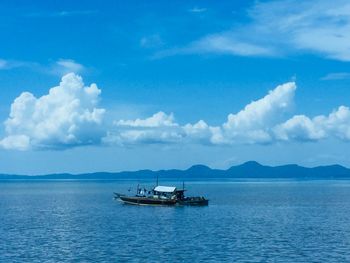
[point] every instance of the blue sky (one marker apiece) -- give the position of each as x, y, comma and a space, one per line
176, 84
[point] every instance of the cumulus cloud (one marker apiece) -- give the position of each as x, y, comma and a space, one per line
143, 136
66, 116
337, 123
16, 142
203, 133
302, 128
263, 121
159, 128
253, 123
158, 119
69, 116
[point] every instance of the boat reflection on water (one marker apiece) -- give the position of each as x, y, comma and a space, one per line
161, 195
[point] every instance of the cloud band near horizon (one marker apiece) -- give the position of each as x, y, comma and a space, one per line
70, 116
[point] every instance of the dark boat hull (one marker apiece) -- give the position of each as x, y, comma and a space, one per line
143, 200
194, 201
146, 201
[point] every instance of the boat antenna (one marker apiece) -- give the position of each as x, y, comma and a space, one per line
157, 180
183, 185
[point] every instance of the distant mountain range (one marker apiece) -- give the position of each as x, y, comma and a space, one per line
246, 170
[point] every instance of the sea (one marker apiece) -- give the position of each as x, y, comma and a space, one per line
246, 221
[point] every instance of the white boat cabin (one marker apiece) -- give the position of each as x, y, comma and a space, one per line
164, 191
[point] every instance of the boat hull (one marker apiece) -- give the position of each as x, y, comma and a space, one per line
194, 201
146, 201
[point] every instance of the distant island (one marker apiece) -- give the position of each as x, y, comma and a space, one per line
246, 170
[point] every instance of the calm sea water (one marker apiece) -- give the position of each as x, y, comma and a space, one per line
264, 221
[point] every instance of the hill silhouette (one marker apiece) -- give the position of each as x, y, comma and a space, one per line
247, 170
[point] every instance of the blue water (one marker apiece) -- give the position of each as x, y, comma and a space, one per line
261, 221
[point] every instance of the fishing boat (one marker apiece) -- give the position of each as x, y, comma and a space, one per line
161, 195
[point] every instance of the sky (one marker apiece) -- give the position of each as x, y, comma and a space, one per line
91, 86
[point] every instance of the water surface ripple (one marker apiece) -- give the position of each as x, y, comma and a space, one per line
261, 221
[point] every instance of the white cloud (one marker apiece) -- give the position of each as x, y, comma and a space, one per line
264, 121
226, 44
66, 116
16, 142
143, 136
159, 128
203, 133
312, 26
279, 28
337, 76
219, 44
6, 64
59, 67
337, 123
302, 128
65, 66
197, 10
158, 119
253, 123
260, 122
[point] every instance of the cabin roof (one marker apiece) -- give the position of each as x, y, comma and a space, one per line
166, 189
